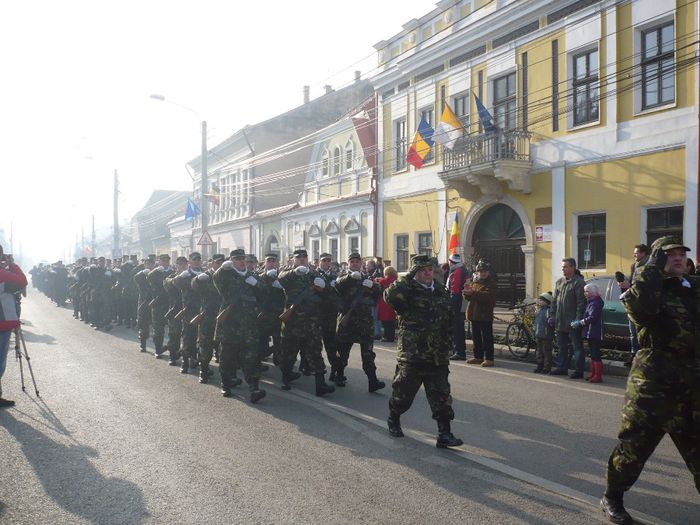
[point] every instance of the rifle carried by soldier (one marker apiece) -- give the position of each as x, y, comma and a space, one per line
289, 311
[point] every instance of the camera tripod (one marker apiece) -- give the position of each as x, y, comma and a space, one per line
21, 353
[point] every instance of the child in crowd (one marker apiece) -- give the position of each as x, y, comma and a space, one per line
544, 334
592, 330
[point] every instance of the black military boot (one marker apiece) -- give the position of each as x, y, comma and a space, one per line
394, 424
143, 344
332, 376
445, 437
374, 383
185, 366
321, 387
225, 385
256, 393
288, 377
204, 373
339, 378
614, 510
160, 349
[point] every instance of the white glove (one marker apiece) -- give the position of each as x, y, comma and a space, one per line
271, 273
202, 277
277, 284
164, 269
333, 283
301, 270
356, 275
185, 274
145, 271
368, 283
319, 282
108, 273
227, 265
251, 280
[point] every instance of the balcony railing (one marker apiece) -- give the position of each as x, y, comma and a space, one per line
486, 148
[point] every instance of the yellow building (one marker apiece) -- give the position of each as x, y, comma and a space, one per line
596, 142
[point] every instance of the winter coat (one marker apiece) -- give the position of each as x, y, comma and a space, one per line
482, 300
592, 322
11, 280
542, 328
384, 311
569, 302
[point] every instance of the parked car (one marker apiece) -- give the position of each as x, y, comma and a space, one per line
615, 322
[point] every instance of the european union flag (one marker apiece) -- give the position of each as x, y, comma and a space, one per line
484, 116
191, 211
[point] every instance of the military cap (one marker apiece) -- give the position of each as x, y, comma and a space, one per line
250, 258
181, 259
238, 252
420, 261
271, 256
218, 257
196, 256
100, 258
301, 252
325, 255
669, 242
164, 257
134, 257
354, 255
152, 256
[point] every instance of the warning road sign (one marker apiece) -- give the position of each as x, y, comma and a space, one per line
205, 240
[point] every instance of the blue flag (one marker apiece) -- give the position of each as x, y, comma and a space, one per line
484, 116
191, 211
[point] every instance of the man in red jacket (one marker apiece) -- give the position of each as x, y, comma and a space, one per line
11, 280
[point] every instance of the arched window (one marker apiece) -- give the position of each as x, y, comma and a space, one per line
349, 155
325, 164
337, 160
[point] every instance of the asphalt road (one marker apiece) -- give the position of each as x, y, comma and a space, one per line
119, 437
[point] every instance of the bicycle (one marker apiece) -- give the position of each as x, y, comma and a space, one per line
520, 336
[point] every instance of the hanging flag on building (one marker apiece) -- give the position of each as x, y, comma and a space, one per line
191, 211
214, 194
454, 236
365, 122
484, 116
422, 144
449, 129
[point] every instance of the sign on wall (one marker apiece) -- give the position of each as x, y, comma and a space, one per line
543, 233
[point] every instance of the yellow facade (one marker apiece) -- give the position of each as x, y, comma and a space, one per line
411, 216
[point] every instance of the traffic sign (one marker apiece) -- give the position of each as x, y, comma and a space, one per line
205, 240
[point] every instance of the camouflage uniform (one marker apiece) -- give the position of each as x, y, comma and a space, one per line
269, 324
143, 312
663, 388
210, 303
158, 305
174, 325
329, 318
128, 295
190, 308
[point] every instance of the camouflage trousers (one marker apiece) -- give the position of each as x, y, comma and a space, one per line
205, 339
189, 336
174, 338
662, 397
328, 327
366, 352
143, 320
408, 380
239, 347
302, 335
158, 320
269, 327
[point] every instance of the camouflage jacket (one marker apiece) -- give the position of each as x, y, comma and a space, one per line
190, 298
174, 295
423, 320
235, 293
298, 291
271, 298
210, 300
330, 297
145, 291
156, 280
357, 302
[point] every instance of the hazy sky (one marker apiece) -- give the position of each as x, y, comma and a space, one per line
77, 75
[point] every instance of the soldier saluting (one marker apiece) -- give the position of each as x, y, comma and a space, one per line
663, 387
359, 295
423, 350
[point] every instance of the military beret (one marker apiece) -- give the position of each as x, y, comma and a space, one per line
271, 256
669, 242
164, 257
218, 257
325, 255
196, 256
238, 252
354, 255
420, 261
251, 258
300, 253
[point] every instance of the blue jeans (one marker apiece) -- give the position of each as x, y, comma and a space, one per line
634, 344
563, 340
4, 349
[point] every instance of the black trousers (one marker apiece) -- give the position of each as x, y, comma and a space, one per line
482, 335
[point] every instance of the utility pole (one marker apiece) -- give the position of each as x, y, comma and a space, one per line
82, 241
92, 244
205, 189
116, 252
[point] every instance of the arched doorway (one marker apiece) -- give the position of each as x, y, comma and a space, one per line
272, 246
498, 237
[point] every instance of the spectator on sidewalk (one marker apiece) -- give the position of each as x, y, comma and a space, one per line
482, 299
385, 313
457, 276
568, 305
544, 335
592, 330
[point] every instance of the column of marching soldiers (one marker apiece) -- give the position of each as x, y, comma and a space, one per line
230, 310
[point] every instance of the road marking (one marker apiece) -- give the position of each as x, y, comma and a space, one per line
324, 404
526, 378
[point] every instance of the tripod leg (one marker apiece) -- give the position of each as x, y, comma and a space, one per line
29, 364
18, 356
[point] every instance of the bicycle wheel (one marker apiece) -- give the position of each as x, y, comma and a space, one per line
519, 340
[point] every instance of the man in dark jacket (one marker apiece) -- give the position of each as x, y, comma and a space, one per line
568, 305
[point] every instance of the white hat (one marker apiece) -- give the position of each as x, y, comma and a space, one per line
455, 258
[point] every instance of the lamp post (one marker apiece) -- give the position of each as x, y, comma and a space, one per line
204, 203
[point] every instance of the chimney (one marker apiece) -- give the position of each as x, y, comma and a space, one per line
306, 94
358, 75
328, 88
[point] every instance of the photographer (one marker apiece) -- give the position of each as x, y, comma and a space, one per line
11, 280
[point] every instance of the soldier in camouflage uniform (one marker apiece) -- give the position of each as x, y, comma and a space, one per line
663, 388
302, 328
174, 306
329, 313
238, 324
210, 302
143, 311
423, 349
271, 307
359, 295
159, 303
128, 294
190, 308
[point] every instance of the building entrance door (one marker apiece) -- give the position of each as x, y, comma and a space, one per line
498, 236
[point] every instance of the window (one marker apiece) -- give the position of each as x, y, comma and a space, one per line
460, 105
400, 144
591, 241
349, 155
315, 249
337, 160
664, 221
353, 245
402, 253
429, 115
333, 249
504, 102
658, 69
325, 164
425, 244
585, 87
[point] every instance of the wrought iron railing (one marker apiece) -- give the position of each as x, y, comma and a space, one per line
483, 148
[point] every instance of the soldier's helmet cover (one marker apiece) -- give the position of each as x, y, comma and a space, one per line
669, 242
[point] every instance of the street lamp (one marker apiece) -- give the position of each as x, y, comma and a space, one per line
205, 179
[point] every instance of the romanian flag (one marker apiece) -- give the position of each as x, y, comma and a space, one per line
454, 236
422, 144
213, 196
449, 129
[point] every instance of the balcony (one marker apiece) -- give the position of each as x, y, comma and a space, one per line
485, 160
